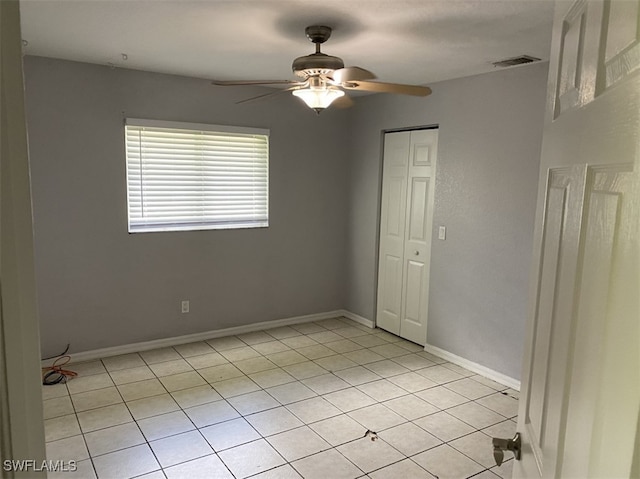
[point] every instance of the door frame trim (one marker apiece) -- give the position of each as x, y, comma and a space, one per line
21, 398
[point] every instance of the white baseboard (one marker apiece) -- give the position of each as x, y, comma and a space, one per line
218, 333
475, 367
249, 328
357, 318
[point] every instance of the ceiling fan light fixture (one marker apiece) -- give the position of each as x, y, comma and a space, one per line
318, 98
324, 78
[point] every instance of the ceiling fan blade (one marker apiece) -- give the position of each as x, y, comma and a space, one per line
415, 90
254, 82
266, 95
348, 74
343, 102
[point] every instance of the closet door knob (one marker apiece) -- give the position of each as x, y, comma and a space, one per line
417, 253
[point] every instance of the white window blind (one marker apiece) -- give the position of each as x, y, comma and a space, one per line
183, 176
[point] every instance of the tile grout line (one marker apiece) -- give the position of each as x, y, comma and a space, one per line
297, 380
181, 409
136, 423
84, 439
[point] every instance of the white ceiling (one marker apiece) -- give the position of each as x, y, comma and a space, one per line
405, 41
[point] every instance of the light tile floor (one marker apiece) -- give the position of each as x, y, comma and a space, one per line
288, 402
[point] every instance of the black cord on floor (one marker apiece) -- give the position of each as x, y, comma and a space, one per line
55, 374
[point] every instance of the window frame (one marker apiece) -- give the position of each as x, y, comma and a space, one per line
141, 226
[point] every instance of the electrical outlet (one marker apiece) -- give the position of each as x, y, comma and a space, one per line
185, 306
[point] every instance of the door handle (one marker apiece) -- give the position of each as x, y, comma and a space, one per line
417, 253
500, 445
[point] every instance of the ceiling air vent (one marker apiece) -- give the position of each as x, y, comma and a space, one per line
521, 60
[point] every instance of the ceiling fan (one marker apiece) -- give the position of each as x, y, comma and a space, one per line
324, 78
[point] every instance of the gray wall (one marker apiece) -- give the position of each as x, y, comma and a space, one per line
486, 185
99, 286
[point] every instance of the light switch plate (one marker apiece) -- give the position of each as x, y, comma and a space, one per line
442, 232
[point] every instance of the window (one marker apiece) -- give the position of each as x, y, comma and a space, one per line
184, 176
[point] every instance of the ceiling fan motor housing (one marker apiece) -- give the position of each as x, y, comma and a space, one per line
316, 64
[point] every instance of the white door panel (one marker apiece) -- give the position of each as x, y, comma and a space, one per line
553, 329
606, 208
413, 296
553, 245
417, 210
396, 149
394, 206
390, 299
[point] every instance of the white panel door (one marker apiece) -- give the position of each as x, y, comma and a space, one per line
392, 230
418, 231
580, 409
405, 233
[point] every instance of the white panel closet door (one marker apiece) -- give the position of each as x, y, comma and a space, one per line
405, 232
392, 230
